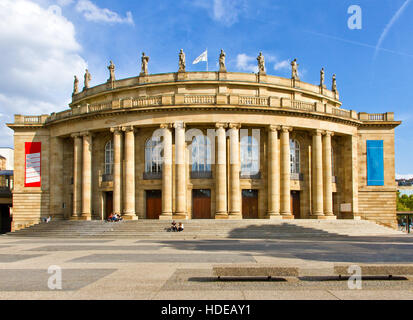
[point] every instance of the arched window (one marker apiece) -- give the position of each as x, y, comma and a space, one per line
109, 157
250, 151
201, 154
294, 156
153, 157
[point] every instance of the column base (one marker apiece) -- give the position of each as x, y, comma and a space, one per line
85, 218
235, 216
221, 215
180, 216
323, 217
165, 216
74, 218
273, 216
130, 217
288, 217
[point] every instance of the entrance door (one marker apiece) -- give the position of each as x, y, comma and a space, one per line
109, 204
153, 204
295, 204
5, 220
250, 204
201, 204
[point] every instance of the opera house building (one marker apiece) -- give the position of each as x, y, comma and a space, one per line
204, 145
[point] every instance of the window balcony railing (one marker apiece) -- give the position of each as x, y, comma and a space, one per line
248, 175
201, 175
107, 177
152, 175
296, 176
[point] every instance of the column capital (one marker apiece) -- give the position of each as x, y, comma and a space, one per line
128, 129
165, 125
328, 133
317, 132
116, 129
179, 125
273, 128
234, 125
75, 135
286, 129
220, 125
86, 134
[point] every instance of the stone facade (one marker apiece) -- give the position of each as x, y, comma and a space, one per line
84, 177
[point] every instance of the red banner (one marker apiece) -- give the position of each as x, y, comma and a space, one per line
33, 161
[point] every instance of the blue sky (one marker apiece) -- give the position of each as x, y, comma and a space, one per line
89, 33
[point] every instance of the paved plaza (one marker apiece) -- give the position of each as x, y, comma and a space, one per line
182, 269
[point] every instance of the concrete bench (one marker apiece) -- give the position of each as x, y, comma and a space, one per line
376, 270
253, 270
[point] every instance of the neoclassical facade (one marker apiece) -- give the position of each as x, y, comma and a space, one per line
205, 145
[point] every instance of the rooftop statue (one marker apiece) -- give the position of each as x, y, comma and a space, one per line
322, 78
294, 70
88, 78
76, 86
222, 67
181, 61
261, 63
334, 85
111, 69
144, 66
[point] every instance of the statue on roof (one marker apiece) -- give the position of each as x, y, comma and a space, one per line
322, 75
222, 67
144, 64
76, 86
261, 63
88, 78
294, 70
111, 69
334, 84
181, 61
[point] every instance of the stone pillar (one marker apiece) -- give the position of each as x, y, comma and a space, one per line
235, 200
166, 173
117, 169
129, 200
327, 175
317, 159
285, 174
77, 175
180, 196
87, 177
221, 173
273, 211
56, 177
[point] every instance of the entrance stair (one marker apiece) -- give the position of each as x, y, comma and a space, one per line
207, 229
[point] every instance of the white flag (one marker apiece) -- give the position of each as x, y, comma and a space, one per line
202, 57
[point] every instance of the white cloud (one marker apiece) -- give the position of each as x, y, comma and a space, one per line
246, 63
282, 65
64, 3
226, 12
93, 13
39, 55
404, 176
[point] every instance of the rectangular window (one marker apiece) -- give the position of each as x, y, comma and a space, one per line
375, 163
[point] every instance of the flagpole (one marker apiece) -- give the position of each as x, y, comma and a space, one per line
207, 58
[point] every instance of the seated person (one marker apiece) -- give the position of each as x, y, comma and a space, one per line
180, 226
110, 217
173, 227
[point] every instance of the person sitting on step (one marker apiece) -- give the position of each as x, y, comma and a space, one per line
180, 226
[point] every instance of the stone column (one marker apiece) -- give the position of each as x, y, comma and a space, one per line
180, 196
235, 200
87, 177
117, 169
317, 159
56, 177
221, 173
285, 173
327, 175
166, 173
77, 175
129, 200
273, 211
